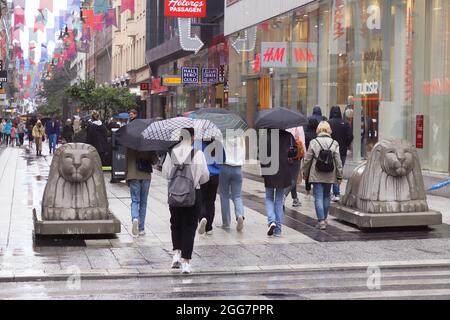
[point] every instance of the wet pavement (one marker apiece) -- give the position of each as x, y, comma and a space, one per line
22, 181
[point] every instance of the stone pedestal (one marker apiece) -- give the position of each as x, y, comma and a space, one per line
381, 220
79, 227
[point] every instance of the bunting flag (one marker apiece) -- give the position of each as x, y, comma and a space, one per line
19, 17
88, 17
46, 4
127, 5
111, 18
101, 6
98, 22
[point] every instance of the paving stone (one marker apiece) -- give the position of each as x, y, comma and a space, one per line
129, 257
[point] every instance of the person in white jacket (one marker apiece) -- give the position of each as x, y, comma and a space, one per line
184, 221
230, 181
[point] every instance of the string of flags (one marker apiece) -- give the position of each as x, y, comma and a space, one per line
47, 33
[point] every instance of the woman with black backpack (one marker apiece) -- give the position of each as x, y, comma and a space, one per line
323, 168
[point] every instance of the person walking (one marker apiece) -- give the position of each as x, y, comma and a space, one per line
39, 136
230, 181
30, 135
209, 190
277, 177
343, 134
317, 114
2, 131
53, 130
310, 134
68, 131
8, 127
297, 144
21, 130
97, 135
185, 164
323, 168
13, 136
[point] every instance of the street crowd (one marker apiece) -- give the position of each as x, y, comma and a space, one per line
315, 153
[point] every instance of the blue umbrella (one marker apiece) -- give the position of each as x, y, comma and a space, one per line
123, 115
439, 186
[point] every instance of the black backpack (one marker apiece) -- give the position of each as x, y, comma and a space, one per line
181, 184
325, 160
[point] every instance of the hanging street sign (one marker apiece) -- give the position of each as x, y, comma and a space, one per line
210, 75
185, 8
190, 75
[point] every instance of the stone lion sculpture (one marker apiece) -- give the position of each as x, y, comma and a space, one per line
390, 181
76, 186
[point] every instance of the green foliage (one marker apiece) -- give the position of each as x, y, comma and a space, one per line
105, 99
53, 93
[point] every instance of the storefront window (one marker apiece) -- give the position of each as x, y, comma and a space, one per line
385, 63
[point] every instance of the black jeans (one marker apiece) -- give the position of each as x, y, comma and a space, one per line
295, 172
209, 195
21, 136
183, 224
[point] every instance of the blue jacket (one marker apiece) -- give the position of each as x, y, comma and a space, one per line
213, 168
52, 127
8, 127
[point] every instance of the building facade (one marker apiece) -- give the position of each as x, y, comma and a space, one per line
128, 50
166, 58
385, 63
98, 57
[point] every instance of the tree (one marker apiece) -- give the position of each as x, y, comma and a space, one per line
53, 93
105, 99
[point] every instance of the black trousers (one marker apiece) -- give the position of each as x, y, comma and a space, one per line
183, 224
209, 195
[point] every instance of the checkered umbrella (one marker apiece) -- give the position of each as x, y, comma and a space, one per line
170, 130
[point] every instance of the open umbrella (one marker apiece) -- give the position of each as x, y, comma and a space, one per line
170, 130
130, 136
280, 118
222, 118
123, 115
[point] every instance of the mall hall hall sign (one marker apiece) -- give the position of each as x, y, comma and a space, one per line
184, 10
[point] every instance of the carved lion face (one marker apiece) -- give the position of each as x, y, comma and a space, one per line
76, 165
397, 159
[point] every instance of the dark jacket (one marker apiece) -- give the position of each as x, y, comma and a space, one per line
68, 133
342, 131
317, 115
282, 179
97, 136
311, 132
53, 127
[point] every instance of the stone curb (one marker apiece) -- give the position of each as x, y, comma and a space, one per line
160, 273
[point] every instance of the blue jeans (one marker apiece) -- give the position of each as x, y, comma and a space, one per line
337, 186
230, 180
274, 207
52, 141
322, 199
139, 195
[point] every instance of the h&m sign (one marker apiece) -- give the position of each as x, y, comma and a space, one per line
283, 54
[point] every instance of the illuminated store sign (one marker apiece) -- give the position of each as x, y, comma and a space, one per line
185, 8
366, 88
277, 55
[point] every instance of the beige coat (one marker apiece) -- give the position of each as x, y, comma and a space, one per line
309, 165
132, 172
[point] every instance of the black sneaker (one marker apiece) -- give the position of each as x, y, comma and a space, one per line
271, 229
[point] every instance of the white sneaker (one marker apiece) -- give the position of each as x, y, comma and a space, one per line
336, 199
135, 229
176, 262
202, 226
240, 224
186, 268
271, 229
209, 233
141, 233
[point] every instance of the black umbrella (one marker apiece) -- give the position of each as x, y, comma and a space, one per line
130, 136
280, 118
